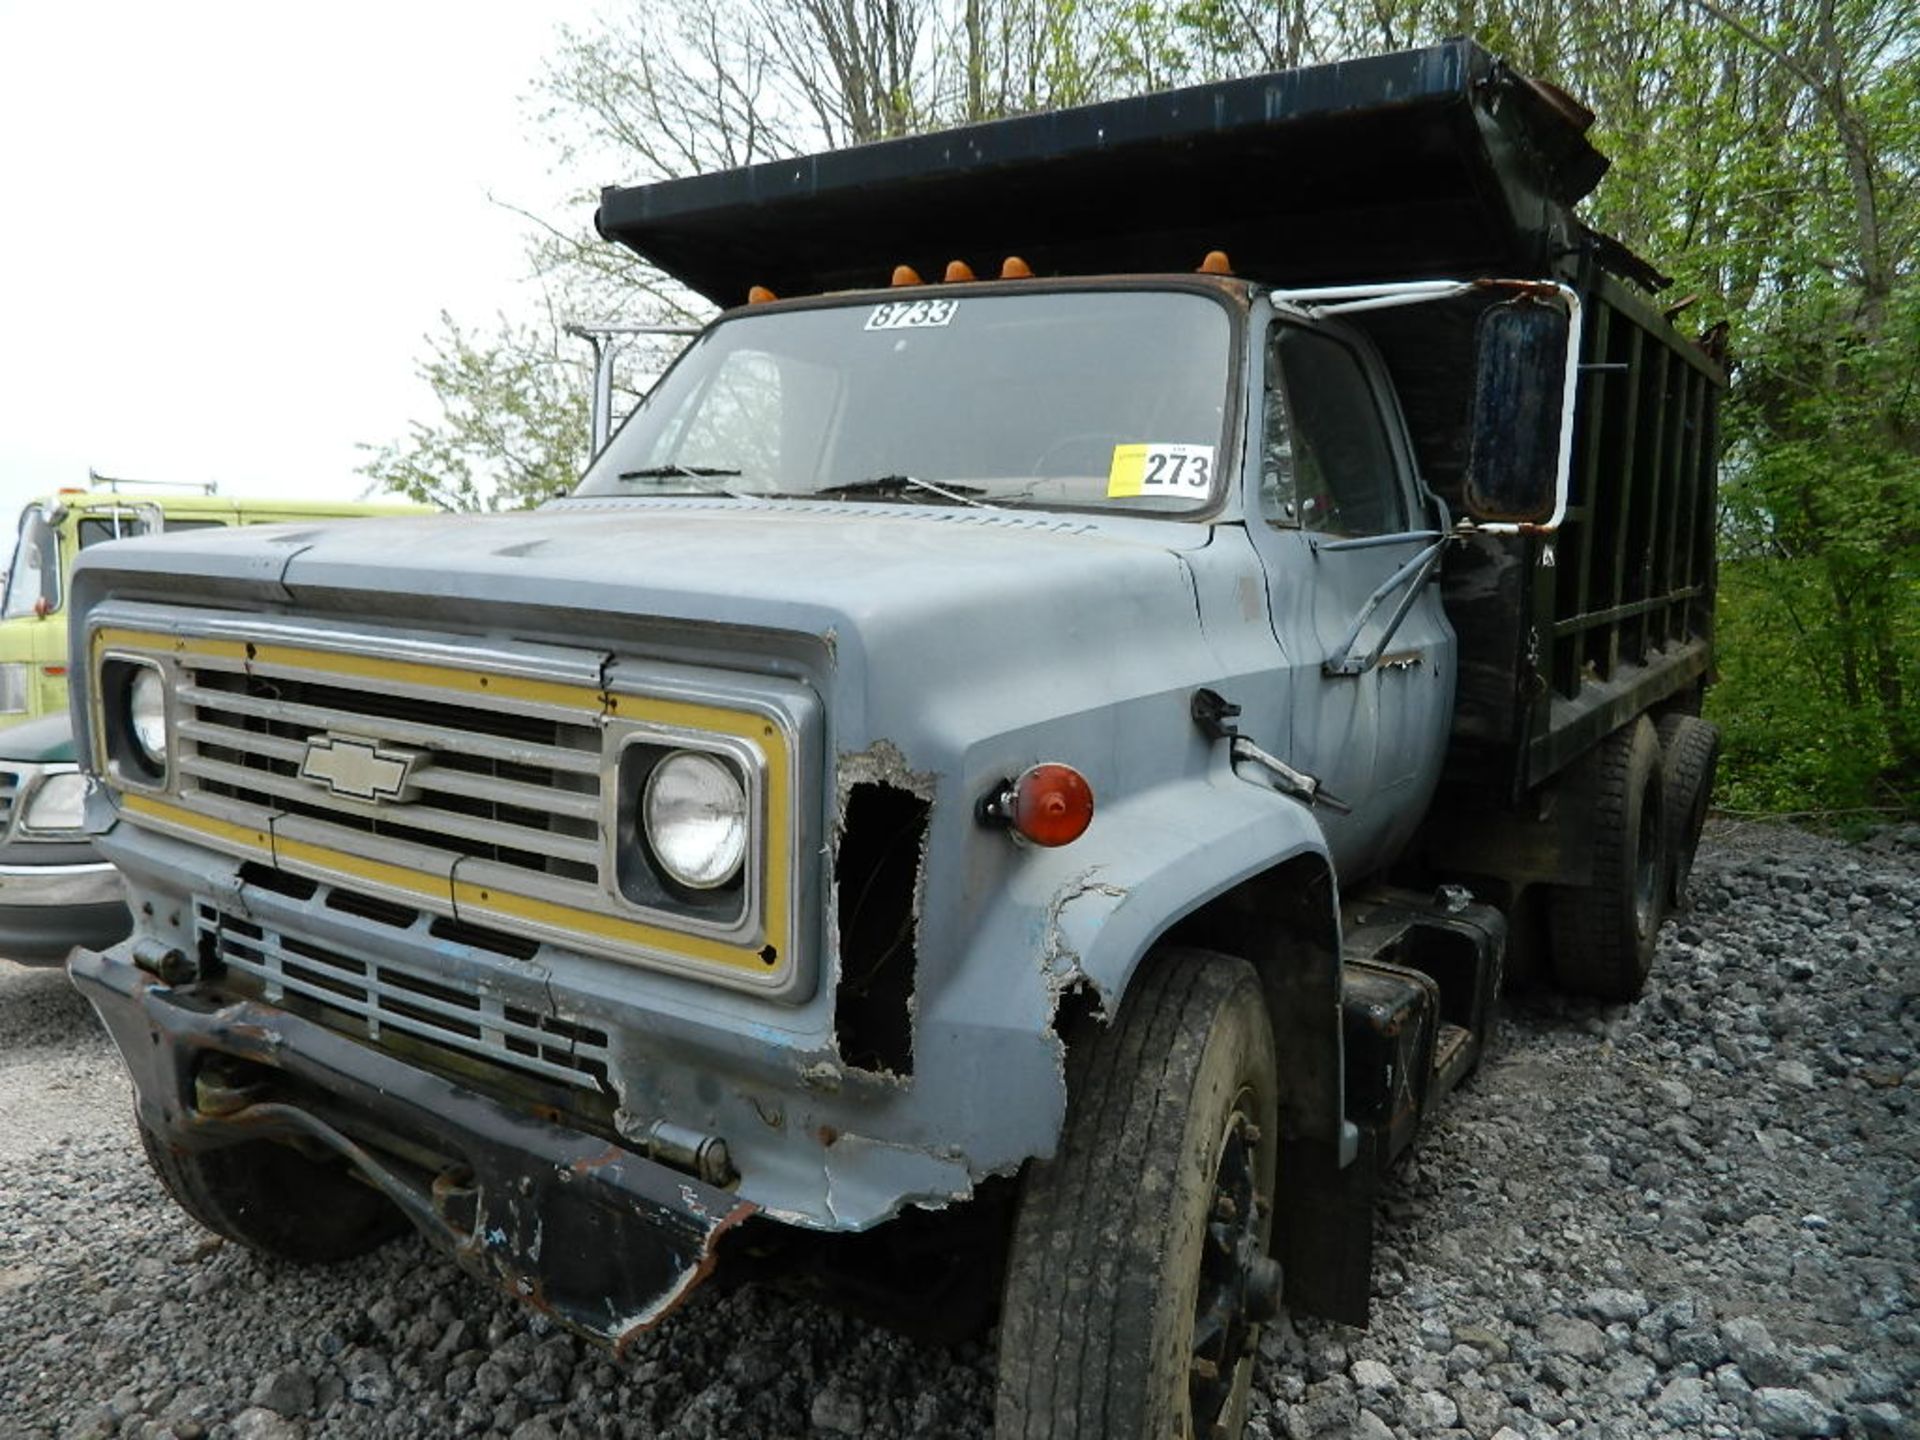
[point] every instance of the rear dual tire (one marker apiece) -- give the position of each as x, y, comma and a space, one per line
1603, 932
1690, 753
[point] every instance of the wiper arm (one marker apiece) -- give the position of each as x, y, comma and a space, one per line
900, 484
663, 472
688, 472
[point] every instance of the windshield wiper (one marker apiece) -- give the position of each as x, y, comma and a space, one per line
688, 472
900, 484
665, 472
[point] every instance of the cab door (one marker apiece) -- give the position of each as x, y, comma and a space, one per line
1337, 516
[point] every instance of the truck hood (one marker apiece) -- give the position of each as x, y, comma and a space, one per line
766, 563
934, 593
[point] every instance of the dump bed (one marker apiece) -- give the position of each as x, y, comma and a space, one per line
1438, 161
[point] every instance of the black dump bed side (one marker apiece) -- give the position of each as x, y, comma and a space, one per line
1441, 161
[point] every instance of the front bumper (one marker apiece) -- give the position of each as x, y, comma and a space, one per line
46, 910
601, 1238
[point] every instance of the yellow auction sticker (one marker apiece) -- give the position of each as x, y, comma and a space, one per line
1160, 469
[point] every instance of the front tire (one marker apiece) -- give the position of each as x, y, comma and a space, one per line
272, 1199
1137, 1277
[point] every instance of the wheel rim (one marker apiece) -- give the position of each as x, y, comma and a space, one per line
1235, 1274
1647, 875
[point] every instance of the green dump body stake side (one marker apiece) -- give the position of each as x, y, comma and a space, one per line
56, 891
995, 798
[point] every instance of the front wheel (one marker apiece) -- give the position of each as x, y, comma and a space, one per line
1138, 1275
272, 1199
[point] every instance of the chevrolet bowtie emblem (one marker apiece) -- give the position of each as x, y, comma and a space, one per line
362, 769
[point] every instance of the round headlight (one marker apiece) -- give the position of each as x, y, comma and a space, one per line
147, 715
695, 813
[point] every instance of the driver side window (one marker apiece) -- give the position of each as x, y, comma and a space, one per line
1326, 464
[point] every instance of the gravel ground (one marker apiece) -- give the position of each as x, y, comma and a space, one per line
1694, 1216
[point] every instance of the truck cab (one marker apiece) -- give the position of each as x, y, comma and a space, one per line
1010, 793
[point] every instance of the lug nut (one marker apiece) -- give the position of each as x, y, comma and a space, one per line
1264, 1282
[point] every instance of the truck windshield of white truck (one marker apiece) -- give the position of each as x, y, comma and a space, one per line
1079, 399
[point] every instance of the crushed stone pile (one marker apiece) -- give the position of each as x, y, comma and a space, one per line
1694, 1216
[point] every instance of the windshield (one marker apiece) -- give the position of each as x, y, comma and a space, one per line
35, 573
1086, 399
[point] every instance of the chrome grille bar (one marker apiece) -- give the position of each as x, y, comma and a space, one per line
579, 806
490, 833
386, 997
513, 780
401, 732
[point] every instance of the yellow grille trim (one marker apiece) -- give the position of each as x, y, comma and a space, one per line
249, 839
467, 897
477, 683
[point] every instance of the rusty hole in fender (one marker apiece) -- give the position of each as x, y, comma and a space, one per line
877, 877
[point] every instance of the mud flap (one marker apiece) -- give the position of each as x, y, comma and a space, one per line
1324, 1234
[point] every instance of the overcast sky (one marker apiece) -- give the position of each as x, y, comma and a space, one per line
225, 227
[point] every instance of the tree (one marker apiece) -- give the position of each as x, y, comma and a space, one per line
512, 428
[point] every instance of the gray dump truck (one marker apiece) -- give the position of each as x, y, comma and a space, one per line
1003, 796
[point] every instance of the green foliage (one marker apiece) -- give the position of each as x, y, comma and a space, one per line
1793, 743
512, 430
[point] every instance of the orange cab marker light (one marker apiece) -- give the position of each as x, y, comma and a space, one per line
54, 670
760, 295
906, 275
1050, 804
1014, 268
1216, 263
957, 271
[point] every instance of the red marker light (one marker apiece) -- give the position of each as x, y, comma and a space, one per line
1048, 804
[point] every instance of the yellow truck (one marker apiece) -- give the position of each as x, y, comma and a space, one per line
55, 890
52, 531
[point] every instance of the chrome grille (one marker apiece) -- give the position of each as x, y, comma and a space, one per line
474, 781
360, 995
504, 785
9, 794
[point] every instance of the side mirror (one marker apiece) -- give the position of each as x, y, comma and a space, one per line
1513, 466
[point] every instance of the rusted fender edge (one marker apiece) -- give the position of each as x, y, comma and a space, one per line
605, 1241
